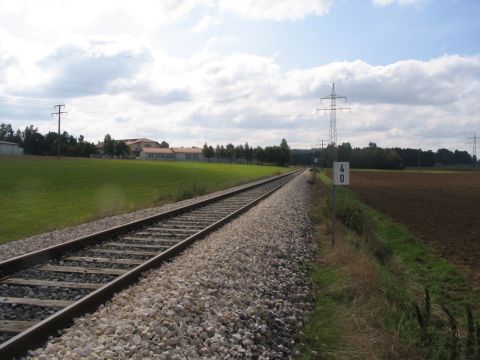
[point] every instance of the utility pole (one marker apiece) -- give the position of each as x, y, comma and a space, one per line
473, 141
59, 113
332, 139
321, 143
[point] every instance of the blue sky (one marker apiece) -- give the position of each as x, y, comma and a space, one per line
353, 30
216, 71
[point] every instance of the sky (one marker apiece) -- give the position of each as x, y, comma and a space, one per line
220, 71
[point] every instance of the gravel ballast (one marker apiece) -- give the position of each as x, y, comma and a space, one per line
242, 292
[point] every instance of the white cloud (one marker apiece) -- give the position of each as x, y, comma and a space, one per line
124, 87
56, 14
400, 2
276, 9
205, 23
439, 81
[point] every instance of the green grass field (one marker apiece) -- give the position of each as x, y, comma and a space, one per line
42, 194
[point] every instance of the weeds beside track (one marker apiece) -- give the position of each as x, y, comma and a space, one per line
382, 287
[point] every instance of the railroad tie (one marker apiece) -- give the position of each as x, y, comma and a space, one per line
37, 302
82, 270
50, 283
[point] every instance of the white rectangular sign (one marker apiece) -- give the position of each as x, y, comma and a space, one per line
315, 160
341, 173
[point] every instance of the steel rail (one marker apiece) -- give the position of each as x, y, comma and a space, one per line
39, 333
37, 257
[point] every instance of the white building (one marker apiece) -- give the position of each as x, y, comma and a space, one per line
157, 154
9, 148
176, 153
188, 154
137, 145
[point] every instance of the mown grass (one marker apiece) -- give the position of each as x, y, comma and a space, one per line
396, 269
43, 194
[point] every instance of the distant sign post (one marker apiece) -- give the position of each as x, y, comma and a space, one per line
341, 177
315, 161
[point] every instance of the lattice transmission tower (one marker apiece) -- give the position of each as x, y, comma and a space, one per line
473, 141
332, 131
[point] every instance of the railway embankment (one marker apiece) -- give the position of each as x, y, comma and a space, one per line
41, 241
243, 291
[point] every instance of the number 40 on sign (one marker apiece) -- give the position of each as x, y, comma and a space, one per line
341, 173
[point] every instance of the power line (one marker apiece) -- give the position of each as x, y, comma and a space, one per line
59, 113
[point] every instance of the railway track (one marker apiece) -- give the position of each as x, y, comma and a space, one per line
41, 292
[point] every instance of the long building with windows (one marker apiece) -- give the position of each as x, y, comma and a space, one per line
174, 153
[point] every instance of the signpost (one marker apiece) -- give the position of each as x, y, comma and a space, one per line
341, 173
315, 161
341, 177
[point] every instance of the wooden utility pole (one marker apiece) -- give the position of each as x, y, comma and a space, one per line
323, 157
59, 113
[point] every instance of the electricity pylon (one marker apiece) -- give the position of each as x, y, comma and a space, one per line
332, 131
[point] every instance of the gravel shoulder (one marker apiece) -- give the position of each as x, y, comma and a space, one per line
242, 292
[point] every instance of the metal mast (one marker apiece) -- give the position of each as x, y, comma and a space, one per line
332, 131
473, 141
332, 139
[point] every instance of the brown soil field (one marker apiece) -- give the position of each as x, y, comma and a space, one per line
441, 209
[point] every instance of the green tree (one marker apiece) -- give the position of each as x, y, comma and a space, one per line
223, 152
211, 152
284, 156
259, 155
217, 152
248, 152
444, 157
229, 152
108, 145
205, 152
33, 141
208, 152
344, 152
6, 132
239, 152
121, 149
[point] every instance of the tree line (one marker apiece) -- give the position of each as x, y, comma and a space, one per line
115, 148
375, 157
35, 143
280, 155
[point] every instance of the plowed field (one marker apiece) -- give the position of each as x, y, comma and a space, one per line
440, 209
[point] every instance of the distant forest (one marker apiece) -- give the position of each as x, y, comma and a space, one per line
35, 143
280, 155
374, 157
